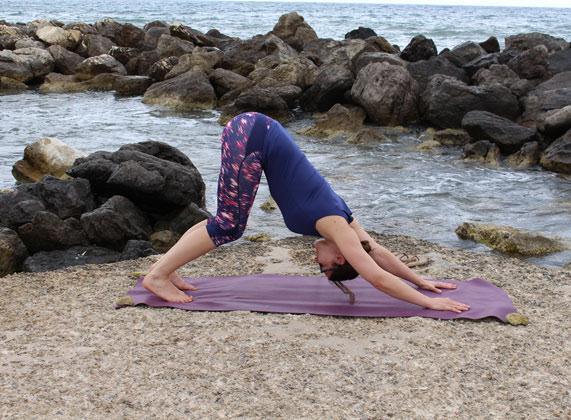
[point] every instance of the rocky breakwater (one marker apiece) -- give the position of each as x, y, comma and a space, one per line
514, 101
117, 205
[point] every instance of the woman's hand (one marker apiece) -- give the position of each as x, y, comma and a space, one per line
445, 304
435, 286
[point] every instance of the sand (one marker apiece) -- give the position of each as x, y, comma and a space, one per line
66, 352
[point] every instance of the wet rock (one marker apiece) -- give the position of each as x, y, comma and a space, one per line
73, 256
47, 232
387, 93
483, 151
550, 95
141, 64
91, 67
557, 157
54, 35
559, 62
65, 62
163, 240
137, 249
556, 122
365, 58
25, 64
360, 33
509, 240
526, 157
447, 100
531, 64
115, 222
464, 53
95, 45
161, 68
491, 45
47, 156
226, 80
131, 85
452, 137
527, 41
123, 54
423, 70
189, 91
368, 135
339, 120
508, 135
168, 46
18, 207
293, 29
8, 85
269, 205
419, 48
13, 252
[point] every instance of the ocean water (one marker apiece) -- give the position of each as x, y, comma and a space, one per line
446, 25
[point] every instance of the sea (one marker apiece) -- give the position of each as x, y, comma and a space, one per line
391, 187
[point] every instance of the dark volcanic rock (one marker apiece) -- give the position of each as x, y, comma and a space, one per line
360, 33
557, 157
482, 62
47, 232
13, 252
464, 53
527, 41
259, 99
491, 45
18, 207
153, 35
141, 64
560, 61
365, 58
66, 198
137, 249
508, 135
531, 64
550, 95
423, 70
226, 80
329, 88
115, 222
183, 220
419, 48
73, 256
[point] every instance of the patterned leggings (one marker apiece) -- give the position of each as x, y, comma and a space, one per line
240, 172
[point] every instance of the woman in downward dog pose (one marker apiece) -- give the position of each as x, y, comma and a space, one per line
252, 143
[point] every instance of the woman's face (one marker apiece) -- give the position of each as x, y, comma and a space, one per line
327, 255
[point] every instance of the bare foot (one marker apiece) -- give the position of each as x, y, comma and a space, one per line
164, 289
179, 282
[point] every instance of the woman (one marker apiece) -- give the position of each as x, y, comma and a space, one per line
252, 143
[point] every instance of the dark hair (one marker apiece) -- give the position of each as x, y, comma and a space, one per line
346, 271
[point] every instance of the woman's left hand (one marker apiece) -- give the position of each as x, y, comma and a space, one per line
435, 286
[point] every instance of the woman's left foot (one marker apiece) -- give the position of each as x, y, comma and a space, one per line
180, 283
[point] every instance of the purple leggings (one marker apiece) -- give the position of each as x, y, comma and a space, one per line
240, 172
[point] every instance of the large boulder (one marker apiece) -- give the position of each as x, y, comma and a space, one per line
194, 36
360, 33
154, 175
54, 35
13, 252
509, 136
556, 122
423, 70
557, 157
503, 75
168, 46
298, 71
329, 88
491, 45
550, 95
47, 232
447, 100
526, 157
338, 120
532, 63
462, 54
18, 207
180, 221
131, 85
419, 48
65, 62
47, 156
141, 64
293, 29
189, 91
91, 67
10, 35
152, 36
328, 51
527, 41
25, 64
201, 59
72, 256
123, 54
365, 58
559, 62
93, 45
8, 86
115, 222
388, 94
60, 83
481, 62
109, 28
258, 99
130, 36
226, 80
509, 240
161, 68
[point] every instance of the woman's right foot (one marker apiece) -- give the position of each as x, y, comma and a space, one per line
180, 283
165, 289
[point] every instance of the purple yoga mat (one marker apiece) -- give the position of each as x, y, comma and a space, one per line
315, 295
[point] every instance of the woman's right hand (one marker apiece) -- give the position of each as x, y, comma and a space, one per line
446, 304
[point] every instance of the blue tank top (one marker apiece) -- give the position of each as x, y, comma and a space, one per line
301, 193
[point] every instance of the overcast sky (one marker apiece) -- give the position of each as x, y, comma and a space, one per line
516, 3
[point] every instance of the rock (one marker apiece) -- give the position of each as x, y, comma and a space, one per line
380, 44
338, 120
368, 135
509, 136
225, 80
189, 91
526, 157
9, 35
527, 41
123, 54
47, 232
428, 145
365, 58
452, 137
93, 66
503, 75
152, 36
142, 64
258, 237
200, 59
13, 252
130, 36
163, 240
483, 151
8, 85
54, 35
73, 256
556, 122
59, 83
109, 28
419, 48
509, 240
328, 51
447, 100
559, 62
169, 46
181, 220
360, 33
115, 222
132, 85
137, 249
289, 93
192, 35
557, 157
423, 70
215, 33
387, 93
262, 100
298, 71
47, 156
95, 45
18, 207
517, 319
481, 62
83, 28
161, 68
491, 45
531, 64
464, 53
153, 175
25, 64
550, 95
28, 43
329, 87
269, 205
65, 62
293, 29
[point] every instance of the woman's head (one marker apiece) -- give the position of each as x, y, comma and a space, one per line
332, 263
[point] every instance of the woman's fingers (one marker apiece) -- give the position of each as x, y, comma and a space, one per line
444, 285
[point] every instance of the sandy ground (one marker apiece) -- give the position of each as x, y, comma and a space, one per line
66, 352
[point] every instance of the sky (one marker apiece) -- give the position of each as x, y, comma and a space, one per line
512, 3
